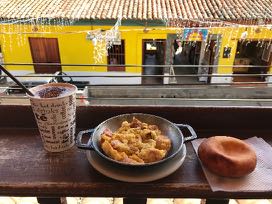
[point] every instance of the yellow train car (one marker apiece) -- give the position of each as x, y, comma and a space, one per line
149, 39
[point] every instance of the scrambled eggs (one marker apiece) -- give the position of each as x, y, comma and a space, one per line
135, 143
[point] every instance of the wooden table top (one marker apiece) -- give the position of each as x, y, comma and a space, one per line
26, 169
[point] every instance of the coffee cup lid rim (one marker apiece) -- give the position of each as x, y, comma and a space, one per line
39, 87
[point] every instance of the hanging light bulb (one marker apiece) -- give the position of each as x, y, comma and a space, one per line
244, 35
94, 41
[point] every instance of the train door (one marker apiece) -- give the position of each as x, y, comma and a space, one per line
208, 56
45, 50
252, 58
153, 54
183, 58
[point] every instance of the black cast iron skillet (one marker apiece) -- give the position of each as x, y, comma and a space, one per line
167, 128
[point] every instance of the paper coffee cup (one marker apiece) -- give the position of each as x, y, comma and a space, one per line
54, 107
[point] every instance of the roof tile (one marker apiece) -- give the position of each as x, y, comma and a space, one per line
232, 10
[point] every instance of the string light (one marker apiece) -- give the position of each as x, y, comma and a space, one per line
170, 26
124, 30
104, 40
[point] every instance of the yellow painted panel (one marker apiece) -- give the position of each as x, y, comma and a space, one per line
76, 49
130, 50
15, 46
227, 61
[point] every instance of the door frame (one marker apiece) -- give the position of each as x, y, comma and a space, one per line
40, 68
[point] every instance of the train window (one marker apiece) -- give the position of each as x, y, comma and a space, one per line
151, 46
116, 56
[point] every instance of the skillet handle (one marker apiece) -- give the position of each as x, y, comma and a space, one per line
89, 144
191, 130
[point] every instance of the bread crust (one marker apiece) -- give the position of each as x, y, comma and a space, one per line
227, 156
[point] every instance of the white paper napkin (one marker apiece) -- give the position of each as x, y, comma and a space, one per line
259, 180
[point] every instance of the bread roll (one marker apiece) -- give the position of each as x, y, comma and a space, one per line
227, 156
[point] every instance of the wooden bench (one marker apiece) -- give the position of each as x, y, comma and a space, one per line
27, 170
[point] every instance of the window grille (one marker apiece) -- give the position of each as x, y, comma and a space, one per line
116, 56
235, 93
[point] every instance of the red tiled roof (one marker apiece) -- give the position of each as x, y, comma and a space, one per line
230, 10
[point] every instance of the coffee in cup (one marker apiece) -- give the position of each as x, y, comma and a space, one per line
54, 107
